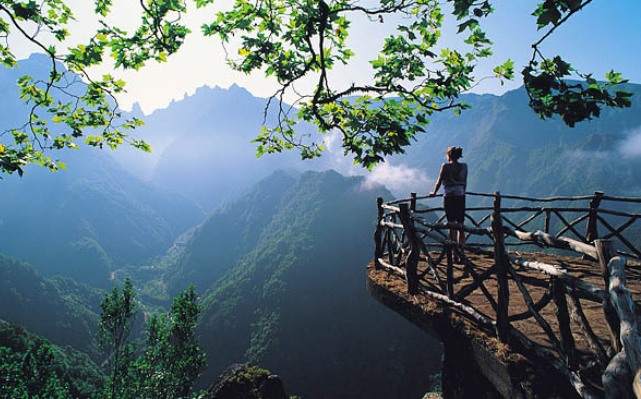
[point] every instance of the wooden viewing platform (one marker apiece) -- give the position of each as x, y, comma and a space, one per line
540, 303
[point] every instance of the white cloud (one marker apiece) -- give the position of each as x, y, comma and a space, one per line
630, 147
399, 179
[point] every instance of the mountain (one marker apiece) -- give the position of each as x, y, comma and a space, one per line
60, 310
287, 262
90, 219
87, 221
233, 230
203, 146
510, 149
204, 150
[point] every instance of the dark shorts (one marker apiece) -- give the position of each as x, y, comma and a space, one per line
454, 208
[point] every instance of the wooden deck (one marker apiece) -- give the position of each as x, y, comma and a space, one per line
584, 269
524, 293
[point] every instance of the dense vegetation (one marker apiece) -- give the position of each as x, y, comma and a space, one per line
165, 366
31, 367
61, 310
169, 362
228, 234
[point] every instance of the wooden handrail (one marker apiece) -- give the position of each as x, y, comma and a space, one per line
636, 200
605, 211
605, 252
591, 231
557, 198
411, 263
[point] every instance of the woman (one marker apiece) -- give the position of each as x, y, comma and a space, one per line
453, 177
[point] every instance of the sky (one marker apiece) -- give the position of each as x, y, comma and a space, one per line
604, 36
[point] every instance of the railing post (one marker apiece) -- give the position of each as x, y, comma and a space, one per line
378, 251
557, 287
411, 264
591, 232
605, 251
412, 202
450, 272
546, 221
500, 258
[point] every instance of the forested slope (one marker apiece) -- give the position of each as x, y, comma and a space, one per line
295, 301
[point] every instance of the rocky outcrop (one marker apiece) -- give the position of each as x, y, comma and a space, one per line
246, 381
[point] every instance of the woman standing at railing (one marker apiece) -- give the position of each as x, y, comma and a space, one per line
453, 177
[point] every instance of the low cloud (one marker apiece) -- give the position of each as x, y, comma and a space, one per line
627, 147
399, 179
630, 147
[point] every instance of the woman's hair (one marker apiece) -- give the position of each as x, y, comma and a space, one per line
454, 152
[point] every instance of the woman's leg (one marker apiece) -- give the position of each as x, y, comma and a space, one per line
454, 237
460, 218
461, 233
461, 237
452, 211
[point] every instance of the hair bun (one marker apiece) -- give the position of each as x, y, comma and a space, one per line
455, 152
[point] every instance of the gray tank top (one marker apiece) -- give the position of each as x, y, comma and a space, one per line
454, 178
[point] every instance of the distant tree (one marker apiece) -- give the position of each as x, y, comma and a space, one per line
169, 363
116, 319
290, 40
172, 359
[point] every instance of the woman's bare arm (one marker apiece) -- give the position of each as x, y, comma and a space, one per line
437, 185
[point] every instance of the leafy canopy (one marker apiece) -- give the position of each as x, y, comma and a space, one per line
293, 41
71, 106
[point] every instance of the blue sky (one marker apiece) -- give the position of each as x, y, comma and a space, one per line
605, 35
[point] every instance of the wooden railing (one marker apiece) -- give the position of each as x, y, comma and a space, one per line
412, 233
